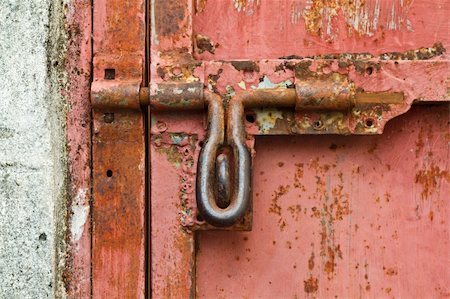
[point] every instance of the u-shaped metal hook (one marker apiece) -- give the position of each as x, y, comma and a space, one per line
206, 173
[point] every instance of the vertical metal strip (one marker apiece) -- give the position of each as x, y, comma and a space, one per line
118, 208
172, 246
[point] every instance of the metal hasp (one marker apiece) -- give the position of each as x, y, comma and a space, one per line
323, 94
322, 104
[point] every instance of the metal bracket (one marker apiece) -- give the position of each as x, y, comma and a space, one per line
319, 95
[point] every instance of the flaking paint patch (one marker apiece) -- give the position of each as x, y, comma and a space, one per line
266, 83
362, 17
247, 6
267, 119
80, 214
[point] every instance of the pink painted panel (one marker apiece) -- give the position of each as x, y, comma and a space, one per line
352, 217
77, 275
174, 147
263, 29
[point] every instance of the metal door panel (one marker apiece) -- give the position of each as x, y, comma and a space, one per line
341, 216
268, 29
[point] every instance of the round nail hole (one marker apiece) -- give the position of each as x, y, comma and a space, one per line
109, 173
318, 124
369, 70
201, 143
250, 118
370, 123
108, 117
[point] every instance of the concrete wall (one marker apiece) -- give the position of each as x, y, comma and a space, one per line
32, 148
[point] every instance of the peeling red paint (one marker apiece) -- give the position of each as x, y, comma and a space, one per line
77, 276
271, 29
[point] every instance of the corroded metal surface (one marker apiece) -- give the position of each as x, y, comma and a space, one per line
118, 149
346, 216
116, 94
372, 91
118, 268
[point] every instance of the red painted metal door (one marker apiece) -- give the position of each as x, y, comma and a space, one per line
333, 121
333, 216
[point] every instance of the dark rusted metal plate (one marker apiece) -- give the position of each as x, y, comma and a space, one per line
118, 207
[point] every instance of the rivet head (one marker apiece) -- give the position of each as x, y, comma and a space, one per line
161, 126
176, 71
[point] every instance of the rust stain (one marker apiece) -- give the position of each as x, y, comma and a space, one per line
366, 276
372, 148
331, 254
169, 16
431, 215
345, 59
182, 243
275, 207
295, 211
245, 65
298, 176
118, 190
335, 205
204, 43
289, 244
311, 285
200, 5
390, 271
418, 54
311, 262
429, 179
419, 143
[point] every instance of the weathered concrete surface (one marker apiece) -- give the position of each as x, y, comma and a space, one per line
32, 149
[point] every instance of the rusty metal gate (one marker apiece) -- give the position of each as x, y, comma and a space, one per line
194, 196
